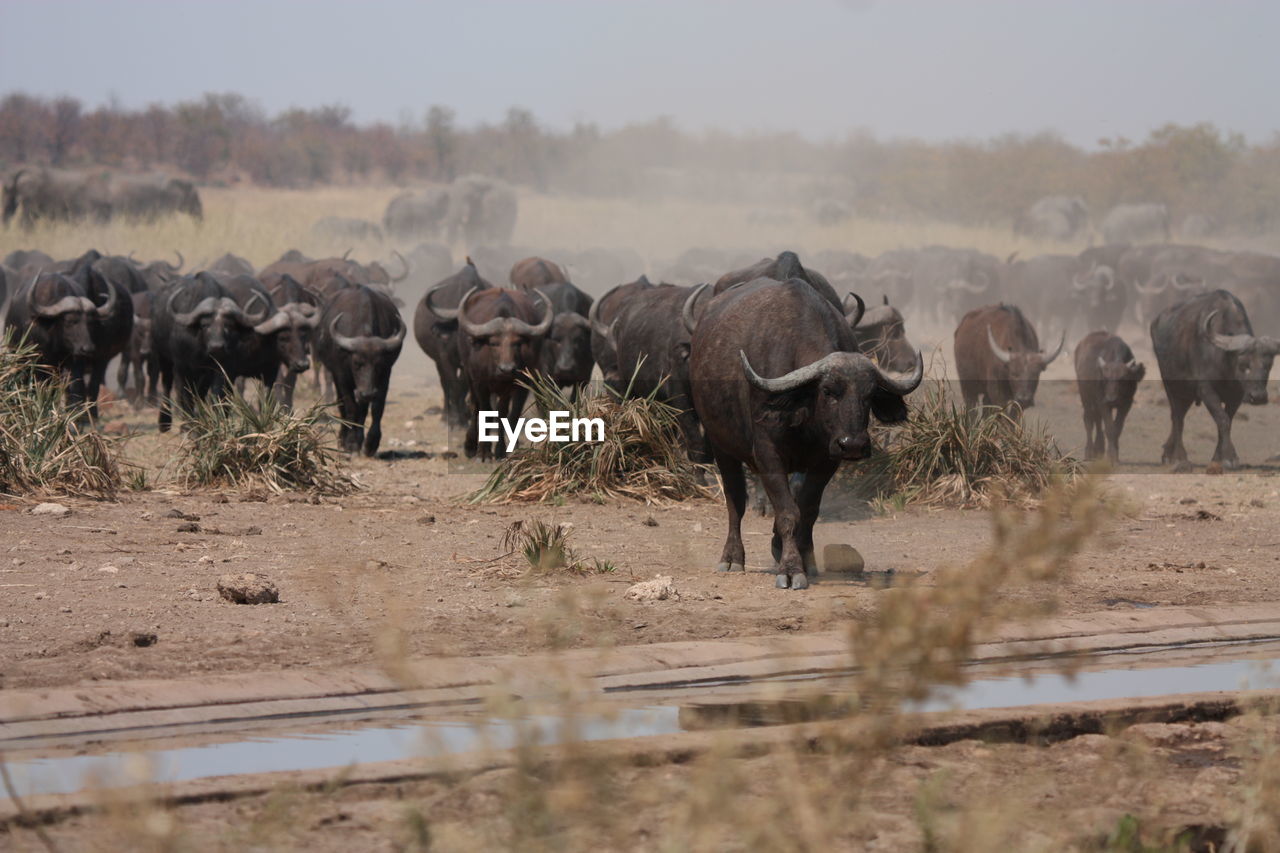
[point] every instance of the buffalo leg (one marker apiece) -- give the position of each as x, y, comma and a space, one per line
153, 378
97, 377
808, 493
127, 361
166, 398
374, 437
1174, 451
1225, 451
471, 445
284, 389
1115, 425
734, 556
786, 517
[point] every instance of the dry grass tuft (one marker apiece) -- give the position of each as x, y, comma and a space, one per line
946, 456
43, 448
642, 457
545, 547
233, 442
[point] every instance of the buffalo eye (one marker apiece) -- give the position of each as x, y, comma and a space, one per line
832, 392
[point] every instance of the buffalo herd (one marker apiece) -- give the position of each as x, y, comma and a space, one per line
772, 364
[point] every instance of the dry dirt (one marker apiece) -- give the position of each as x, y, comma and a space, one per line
404, 565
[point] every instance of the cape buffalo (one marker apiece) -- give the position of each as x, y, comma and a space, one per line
106, 280
786, 266
232, 264
358, 341
796, 400
998, 357
303, 310
196, 331
501, 338
1136, 223
535, 272
139, 357
1208, 354
435, 327
273, 343
566, 352
604, 312
881, 334
56, 314
1107, 376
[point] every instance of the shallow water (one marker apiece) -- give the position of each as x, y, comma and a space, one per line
424, 738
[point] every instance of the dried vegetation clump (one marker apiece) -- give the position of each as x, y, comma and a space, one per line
47, 446
641, 458
944, 455
232, 442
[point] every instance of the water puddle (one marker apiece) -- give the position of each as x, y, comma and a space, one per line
778, 700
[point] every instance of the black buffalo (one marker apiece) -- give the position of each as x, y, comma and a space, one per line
602, 316
1208, 354
435, 327
358, 341
1107, 376
797, 400
998, 357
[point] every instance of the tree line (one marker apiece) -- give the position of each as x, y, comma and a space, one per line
226, 139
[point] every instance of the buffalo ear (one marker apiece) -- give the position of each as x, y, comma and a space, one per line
682, 351
889, 408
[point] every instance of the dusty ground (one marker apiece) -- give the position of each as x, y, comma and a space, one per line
405, 555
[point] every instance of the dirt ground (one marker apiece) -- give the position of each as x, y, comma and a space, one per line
405, 566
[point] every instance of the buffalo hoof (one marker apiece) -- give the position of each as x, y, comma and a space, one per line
730, 567
800, 581
782, 581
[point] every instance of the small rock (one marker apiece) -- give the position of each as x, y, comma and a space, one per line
55, 510
205, 559
427, 519
185, 516
109, 569
248, 588
661, 588
146, 515
64, 552
41, 596
66, 610
188, 527
251, 530
1257, 503
650, 522
839, 558
142, 639
374, 565
221, 499
1188, 501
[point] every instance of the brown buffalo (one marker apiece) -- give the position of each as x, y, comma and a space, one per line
998, 357
602, 316
536, 272
501, 338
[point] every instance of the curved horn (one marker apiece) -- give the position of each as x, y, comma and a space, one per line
788, 381
105, 309
257, 297
343, 342
1150, 289
577, 319
1000, 353
901, 384
544, 325
181, 261
346, 254
204, 306
273, 324
444, 315
62, 306
480, 330
405, 274
396, 338
1109, 275
1229, 343
593, 314
130, 257
961, 284
1191, 283
860, 308
1078, 284
686, 311
1061, 342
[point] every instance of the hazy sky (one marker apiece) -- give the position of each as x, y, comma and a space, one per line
1087, 68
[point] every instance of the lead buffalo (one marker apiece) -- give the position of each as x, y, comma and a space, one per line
435, 327
566, 353
358, 340
796, 400
501, 339
1208, 354
1107, 376
998, 357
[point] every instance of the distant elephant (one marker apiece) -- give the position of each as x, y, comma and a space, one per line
148, 197
417, 216
337, 229
1054, 217
481, 211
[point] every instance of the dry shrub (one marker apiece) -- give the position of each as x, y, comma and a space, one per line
947, 456
545, 547
232, 442
642, 456
43, 448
